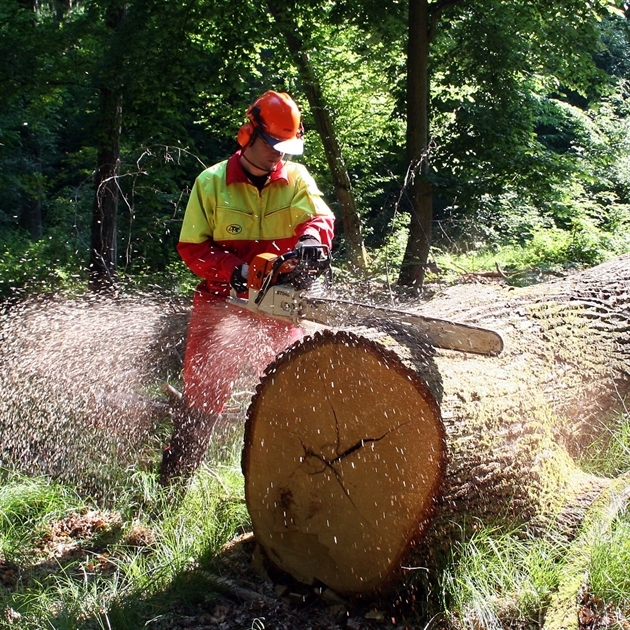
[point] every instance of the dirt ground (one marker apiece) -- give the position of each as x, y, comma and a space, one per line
246, 598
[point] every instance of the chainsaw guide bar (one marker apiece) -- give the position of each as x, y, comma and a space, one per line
285, 295
440, 333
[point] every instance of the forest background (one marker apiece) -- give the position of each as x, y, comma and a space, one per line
448, 136
474, 128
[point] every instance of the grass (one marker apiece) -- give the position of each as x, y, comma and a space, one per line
608, 574
609, 455
547, 252
609, 577
66, 564
498, 576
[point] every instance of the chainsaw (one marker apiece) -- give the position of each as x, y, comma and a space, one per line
289, 287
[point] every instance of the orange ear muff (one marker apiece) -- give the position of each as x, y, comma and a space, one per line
245, 134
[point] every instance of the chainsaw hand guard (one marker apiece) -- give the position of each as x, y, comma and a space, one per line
310, 261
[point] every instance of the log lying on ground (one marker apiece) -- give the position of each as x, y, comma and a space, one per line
333, 413
514, 424
517, 424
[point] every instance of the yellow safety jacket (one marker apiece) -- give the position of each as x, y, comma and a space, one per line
228, 220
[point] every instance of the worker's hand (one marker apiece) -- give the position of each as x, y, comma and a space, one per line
238, 281
308, 240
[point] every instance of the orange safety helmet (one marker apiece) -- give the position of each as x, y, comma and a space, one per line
276, 118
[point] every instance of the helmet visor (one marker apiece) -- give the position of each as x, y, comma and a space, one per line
293, 146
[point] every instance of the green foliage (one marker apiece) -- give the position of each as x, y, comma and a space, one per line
49, 264
386, 260
153, 206
529, 118
545, 252
519, 126
364, 112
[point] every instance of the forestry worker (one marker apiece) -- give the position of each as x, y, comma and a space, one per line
255, 202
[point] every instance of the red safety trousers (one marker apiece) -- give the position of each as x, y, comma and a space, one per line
223, 341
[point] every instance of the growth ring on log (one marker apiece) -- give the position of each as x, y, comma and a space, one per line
344, 456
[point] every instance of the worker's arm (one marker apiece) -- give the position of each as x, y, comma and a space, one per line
208, 261
196, 246
321, 224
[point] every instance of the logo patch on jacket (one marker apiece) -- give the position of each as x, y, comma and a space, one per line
234, 229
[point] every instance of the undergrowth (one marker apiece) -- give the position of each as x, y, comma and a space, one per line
498, 578
65, 564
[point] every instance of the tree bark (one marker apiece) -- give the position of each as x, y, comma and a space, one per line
514, 424
338, 170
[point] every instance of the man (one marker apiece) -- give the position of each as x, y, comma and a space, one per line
255, 202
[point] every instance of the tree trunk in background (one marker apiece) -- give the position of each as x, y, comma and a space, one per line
423, 19
349, 215
341, 181
419, 241
33, 220
514, 424
104, 251
32, 185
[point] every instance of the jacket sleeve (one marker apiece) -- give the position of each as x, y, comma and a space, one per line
208, 261
196, 246
321, 225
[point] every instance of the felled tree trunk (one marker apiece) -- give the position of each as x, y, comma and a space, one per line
513, 426
517, 423
344, 453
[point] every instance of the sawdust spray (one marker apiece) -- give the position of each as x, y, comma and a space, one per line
80, 385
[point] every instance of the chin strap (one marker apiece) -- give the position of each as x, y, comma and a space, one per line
255, 165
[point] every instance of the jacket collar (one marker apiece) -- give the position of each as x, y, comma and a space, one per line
236, 173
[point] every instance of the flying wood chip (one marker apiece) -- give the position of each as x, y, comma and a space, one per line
344, 455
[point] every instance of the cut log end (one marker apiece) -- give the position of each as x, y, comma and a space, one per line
344, 456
